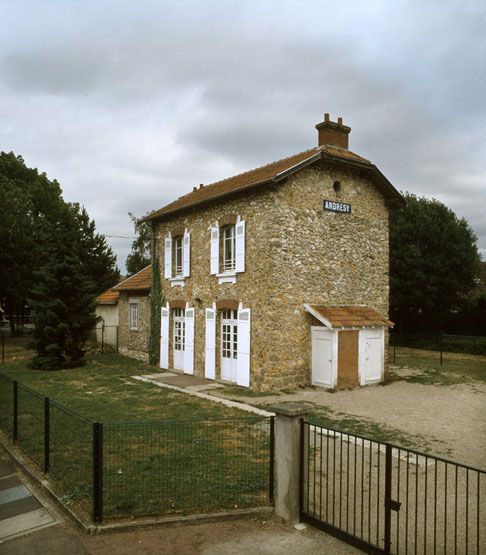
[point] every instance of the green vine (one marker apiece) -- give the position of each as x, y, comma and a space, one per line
156, 301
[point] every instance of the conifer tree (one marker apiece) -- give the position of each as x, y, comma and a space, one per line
62, 303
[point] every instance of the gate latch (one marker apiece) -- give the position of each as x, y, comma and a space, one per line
395, 505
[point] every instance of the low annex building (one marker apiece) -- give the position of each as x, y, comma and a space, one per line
278, 277
134, 314
107, 313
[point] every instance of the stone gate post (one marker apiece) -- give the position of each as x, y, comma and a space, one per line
288, 418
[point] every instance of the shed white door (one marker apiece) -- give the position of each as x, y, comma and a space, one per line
179, 338
371, 355
324, 356
229, 345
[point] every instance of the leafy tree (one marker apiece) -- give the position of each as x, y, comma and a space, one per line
139, 257
29, 201
31, 206
434, 264
62, 302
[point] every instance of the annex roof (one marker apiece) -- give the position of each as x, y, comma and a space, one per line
278, 171
141, 281
348, 316
107, 297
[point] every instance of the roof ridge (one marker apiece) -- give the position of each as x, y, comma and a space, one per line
131, 277
260, 167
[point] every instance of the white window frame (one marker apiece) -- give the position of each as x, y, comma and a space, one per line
133, 315
229, 249
178, 250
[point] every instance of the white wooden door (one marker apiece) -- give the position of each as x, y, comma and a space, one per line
324, 356
243, 356
179, 339
229, 345
371, 355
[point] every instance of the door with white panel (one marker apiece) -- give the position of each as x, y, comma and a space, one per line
229, 345
371, 355
324, 356
179, 338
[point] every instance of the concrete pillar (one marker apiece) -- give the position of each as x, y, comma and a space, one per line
288, 418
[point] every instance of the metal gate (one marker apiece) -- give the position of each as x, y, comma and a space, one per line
387, 499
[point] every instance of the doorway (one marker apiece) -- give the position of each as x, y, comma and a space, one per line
229, 345
179, 338
324, 356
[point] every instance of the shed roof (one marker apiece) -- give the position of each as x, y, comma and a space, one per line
141, 281
278, 171
107, 297
348, 316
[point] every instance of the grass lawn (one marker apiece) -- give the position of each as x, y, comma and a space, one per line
457, 368
151, 465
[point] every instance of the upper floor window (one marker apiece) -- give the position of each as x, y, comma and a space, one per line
177, 256
228, 251
229, 248
177, 263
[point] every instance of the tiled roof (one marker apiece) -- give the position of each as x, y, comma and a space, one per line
107, 297
141, 281
348, 316
271, 172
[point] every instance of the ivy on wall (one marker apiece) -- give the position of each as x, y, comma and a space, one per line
156, 301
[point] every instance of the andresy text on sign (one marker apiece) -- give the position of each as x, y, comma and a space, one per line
334, 206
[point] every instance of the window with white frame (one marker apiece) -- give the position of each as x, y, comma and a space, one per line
229, 248
133, 315
177, 247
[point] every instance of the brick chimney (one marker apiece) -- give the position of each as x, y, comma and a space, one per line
332, 133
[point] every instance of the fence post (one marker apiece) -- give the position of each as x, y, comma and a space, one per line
288, 453
271, 470
388, 491
15, 411
47, 441
97, 472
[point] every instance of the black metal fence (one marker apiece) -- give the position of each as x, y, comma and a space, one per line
141, 468
443, 343
388, 499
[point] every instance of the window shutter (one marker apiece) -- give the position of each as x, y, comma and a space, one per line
186, 254
189, 341
214, 250
240, 246
168, 257
210, 365
243, 360
164, 339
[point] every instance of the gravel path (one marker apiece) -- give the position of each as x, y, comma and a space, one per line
452, 418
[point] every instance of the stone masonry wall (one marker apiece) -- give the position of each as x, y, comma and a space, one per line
134, 343
295, 253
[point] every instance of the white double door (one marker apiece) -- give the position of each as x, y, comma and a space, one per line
229, 345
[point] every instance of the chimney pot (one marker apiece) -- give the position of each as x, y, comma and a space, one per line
194, 189
201, 185
333, 133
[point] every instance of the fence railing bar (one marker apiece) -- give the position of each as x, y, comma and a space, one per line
362, 491
271, 470
425, 505
416, 500
406, 501
445, 509
320, 480
467, 510
478, 518
388, 494
435, 509
337, 432
340, 480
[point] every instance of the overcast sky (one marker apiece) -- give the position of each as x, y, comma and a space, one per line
129, 104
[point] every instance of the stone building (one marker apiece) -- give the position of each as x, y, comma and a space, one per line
134, 314
278, 277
